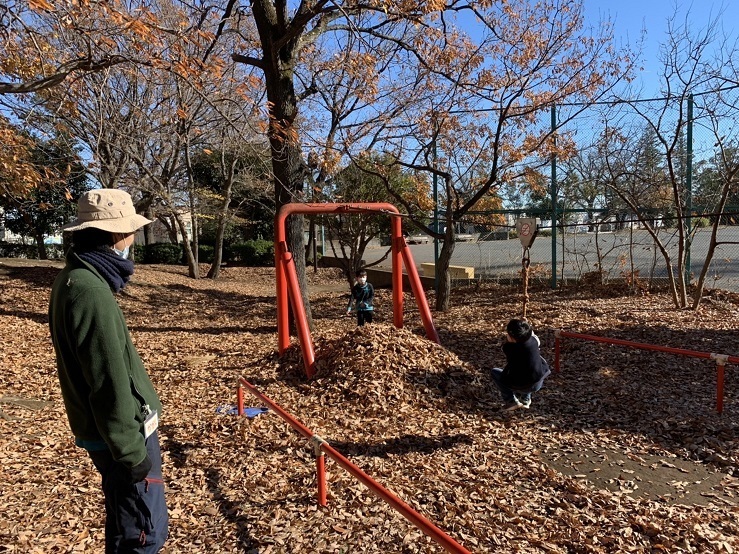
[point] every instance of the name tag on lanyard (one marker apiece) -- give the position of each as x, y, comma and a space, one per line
150, 424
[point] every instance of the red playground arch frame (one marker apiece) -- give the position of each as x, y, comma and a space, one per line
288, 288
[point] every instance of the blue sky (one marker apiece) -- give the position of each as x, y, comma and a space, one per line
631, 16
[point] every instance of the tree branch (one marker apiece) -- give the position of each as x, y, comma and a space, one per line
61, 73
255, 62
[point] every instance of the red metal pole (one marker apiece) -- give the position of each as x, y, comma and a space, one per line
294, 423
422, 523
283, 328
640, 345
301, 320
321, 476
721, 360
283, 278
320, 469
240, 400
417, 287
283, 325
395, 244
444, 540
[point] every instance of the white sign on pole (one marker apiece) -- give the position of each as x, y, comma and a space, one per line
526, 227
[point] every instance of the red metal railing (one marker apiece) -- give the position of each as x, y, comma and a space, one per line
417, 288
321, 447
720, 359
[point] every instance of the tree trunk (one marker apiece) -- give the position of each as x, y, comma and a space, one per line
632, 273
66, 243
144, 206
215, 268
149, 229
312, 254
42, 254
170, 222
698, 295
195, 233
192, 266
287, 165
682, 284
442, 270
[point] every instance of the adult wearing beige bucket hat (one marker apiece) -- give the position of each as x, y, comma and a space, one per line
112, 407
110, 210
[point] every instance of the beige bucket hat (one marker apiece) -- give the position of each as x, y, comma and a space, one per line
109, 210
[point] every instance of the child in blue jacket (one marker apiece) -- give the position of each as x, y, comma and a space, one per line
525, 369
363, 294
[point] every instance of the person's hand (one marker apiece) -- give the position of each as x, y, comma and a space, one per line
141, 470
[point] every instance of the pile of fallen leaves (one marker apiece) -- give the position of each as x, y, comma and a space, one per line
380, 366
621, 451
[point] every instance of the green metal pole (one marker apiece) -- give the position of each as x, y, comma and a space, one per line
554, 200
689, 186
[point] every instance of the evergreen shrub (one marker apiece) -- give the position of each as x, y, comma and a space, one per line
252, 253
161, 253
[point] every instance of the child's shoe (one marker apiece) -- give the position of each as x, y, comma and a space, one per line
526, 403
513, 405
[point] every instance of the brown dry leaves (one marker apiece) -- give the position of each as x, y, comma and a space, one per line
422, 419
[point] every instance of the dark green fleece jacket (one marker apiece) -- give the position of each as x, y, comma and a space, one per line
103, 381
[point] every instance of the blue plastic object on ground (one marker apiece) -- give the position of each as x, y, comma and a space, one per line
248, 412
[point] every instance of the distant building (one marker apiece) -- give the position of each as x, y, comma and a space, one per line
160, 233
6, 235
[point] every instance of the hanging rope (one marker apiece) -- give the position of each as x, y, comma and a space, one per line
525, 262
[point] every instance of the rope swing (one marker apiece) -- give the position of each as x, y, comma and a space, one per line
525, 262
526, 229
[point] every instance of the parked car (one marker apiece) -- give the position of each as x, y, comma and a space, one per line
418, 239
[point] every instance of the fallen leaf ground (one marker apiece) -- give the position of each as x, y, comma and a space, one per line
623, 451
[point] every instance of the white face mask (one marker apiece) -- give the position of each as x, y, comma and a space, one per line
123, 253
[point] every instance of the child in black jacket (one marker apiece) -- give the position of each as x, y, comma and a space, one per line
525, 369
363, 293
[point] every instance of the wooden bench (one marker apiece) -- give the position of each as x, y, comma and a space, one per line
455, 271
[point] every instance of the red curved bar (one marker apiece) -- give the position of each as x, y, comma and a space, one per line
288, 290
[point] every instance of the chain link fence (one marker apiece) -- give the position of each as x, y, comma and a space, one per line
656, 163
597, 254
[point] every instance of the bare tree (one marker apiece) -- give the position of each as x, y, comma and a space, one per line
484, 100
726, 164
691, 82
